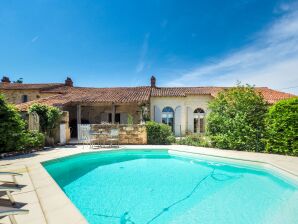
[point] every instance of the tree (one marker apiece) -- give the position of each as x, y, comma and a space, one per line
236, 120
282, 127
12, 127
20, 80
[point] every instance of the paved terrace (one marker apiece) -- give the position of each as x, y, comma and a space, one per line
47, 203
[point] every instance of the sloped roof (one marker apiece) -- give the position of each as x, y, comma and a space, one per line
183, 91
29, 86
109, 95
272, 96
94, 95
67, 95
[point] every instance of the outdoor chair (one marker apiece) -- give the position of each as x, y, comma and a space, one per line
102, 137
113, 136
8, 189
92, 138
11, 212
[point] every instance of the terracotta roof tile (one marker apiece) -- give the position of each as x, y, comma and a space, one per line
184, 91
22, 86
94, 95
70, 95
272, 96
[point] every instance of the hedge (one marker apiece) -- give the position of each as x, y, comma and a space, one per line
159, 134
282, 127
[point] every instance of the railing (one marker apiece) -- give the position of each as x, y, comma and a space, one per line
84, 133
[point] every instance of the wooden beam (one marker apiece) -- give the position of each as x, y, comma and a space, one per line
79, 114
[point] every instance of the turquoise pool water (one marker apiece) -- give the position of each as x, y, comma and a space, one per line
142, 187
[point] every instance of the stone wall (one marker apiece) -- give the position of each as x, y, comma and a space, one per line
128, 134
16, 96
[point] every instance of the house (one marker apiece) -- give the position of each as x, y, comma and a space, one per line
182, 108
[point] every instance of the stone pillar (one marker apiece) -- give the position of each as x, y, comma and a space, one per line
183, 120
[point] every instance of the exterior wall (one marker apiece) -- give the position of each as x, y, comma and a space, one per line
183, 110
15, 96
64, 120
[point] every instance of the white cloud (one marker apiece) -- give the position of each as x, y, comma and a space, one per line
271, 60
144, 49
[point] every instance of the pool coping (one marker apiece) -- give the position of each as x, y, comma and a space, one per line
46, 192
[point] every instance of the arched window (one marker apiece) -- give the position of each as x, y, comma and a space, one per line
25, 98
199, 124
168, 116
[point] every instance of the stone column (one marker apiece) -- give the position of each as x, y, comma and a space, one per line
183, 119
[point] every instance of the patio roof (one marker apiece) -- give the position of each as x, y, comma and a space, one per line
80, 95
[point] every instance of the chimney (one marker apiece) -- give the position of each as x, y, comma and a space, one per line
68, 82
5, 79
153, 81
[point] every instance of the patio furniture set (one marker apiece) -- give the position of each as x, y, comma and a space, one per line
10, 207
100, 138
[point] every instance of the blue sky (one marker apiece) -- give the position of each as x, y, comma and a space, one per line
122, 43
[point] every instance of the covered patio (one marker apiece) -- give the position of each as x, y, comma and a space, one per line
102, 113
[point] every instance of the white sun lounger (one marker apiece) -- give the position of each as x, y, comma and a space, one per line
11, 212
8, 190
11, 174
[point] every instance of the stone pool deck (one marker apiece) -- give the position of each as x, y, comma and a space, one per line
47, 203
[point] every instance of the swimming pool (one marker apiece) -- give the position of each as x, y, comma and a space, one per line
153, 186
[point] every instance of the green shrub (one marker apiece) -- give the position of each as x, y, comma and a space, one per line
282, 127
236, 120
159, 134
33, 140
12, 127
13, 136
48, 117
195, 140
